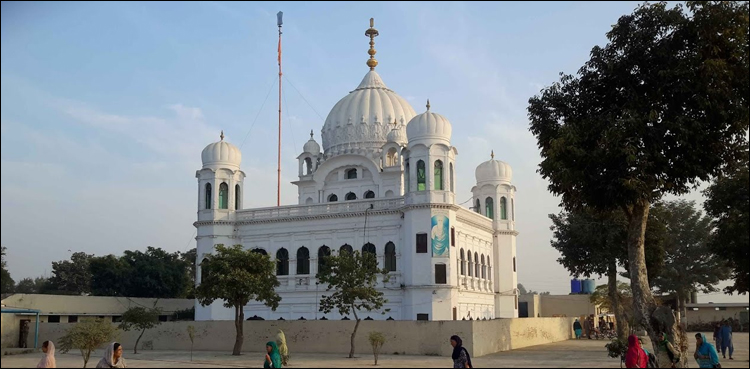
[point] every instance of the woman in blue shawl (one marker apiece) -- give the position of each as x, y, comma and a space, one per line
705, 353
726, 340
273, 358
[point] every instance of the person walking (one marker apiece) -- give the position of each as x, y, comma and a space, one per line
112, 357
460, 356
666, 355
726, 340
273, 358
635, 357
717, 335
577, 329
48, 361
705, 353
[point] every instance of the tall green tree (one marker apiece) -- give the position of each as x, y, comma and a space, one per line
6, 282
690, 266
155, 273
237, 276
72, 275
593, 242
188, 259
140, 318
109, 276
661, 107
352, 278
728, 203
36, 285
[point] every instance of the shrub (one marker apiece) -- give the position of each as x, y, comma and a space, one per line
377, 340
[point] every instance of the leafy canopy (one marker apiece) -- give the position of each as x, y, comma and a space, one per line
353, 278
87, 336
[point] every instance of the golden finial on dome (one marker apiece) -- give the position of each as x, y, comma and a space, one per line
222, 135
428, 104
372, 33
492, 155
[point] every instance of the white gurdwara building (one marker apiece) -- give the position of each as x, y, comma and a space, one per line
384, 182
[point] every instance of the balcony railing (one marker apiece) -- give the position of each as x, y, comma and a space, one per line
319, 209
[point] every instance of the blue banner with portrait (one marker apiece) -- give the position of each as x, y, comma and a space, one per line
440, 235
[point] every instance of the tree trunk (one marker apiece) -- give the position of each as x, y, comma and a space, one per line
239, 319
86, 356
682, 317
646, 314
643, 300
623, 327
354, 334
135, 348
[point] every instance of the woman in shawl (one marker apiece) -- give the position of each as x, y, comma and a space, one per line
635, 357
461, 358
273, 358
577, 328
112, 357
667, 356
717, 335
726, 340
705, 353
48, 361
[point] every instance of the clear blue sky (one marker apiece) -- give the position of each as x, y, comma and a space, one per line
107, 106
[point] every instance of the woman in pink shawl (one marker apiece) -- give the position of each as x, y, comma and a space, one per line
48, 361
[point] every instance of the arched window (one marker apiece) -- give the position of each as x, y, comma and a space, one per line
204, 269
451, 177
351, 173
478, 207
438, 175
260, 251
471, 265
308, 166
484, 269
303, 261
369, 195
351, 196
323, 252
476, 265
489, 208
463, 263
208, 196
503, 208
368, 247
391, 158
390, 257
406, 178
223, 196
282, 262
421, 176
347, 249
489, 268
237, 197
512, 209
333, 198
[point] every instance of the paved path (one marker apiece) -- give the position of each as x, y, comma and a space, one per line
578, 354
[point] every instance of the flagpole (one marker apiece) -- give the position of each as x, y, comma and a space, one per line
278, 171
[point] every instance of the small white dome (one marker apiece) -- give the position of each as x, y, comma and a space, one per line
311, 146
398, 135
429, 126
221, 154
494, 171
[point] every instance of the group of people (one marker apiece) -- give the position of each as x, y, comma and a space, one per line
588, 327
112, 356
723, 339
706, 355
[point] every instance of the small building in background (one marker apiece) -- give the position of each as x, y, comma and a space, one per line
73, 309
704, 315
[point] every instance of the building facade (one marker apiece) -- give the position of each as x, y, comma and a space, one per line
383, 182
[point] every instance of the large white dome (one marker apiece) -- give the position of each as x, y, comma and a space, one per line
494, 171
221, 154
429, 126
361, 121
